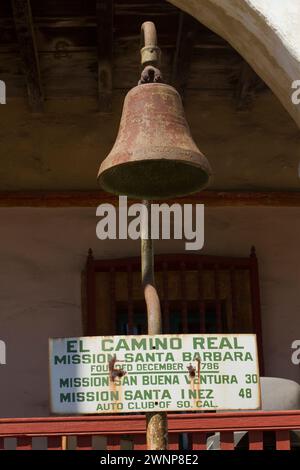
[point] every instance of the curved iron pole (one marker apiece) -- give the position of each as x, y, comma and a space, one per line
157, 425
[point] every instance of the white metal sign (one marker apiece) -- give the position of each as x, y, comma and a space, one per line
126, 374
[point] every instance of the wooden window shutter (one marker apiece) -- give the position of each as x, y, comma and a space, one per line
199, 294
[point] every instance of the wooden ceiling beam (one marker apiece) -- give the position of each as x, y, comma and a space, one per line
28, 51
94, 198
104, 18
249, 83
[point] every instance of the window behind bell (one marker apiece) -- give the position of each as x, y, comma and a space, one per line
199, 294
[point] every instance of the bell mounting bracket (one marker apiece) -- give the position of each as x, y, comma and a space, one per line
150, 55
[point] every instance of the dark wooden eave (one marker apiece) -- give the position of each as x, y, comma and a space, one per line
94, 198
249, 83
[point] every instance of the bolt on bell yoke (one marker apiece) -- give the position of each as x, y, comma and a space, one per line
154, 156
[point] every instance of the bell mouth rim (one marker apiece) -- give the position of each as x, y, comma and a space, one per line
116, 172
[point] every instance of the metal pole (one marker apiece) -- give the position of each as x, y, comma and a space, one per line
157, 425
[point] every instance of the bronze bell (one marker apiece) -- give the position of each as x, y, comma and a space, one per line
154, 156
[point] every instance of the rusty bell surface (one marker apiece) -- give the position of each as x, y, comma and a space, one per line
154, 156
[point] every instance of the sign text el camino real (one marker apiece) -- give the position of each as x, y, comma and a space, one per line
123, 374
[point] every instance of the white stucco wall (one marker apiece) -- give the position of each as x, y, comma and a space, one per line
43, 251
264, 32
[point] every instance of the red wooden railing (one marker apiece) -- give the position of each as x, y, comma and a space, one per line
115, 429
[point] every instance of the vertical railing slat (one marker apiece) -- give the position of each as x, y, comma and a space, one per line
113, 442
139, 442
256, 440
173, 439
184, 313
84, 443
199, 440
54, 442
283, 441
24, 443
227, 440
